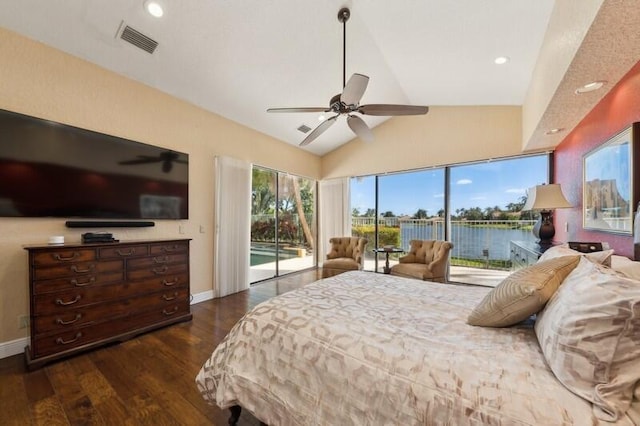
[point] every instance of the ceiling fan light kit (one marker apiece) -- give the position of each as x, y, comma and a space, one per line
348, 102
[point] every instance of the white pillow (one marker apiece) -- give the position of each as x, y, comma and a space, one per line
603, 257
626, 267
589, 333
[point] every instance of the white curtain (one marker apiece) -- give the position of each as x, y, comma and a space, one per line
335, 212
233, 225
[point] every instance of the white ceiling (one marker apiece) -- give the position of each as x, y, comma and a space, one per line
238, 58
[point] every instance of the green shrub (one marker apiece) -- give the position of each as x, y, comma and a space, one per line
387, 236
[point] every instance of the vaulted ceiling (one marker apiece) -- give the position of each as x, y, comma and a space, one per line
238, 58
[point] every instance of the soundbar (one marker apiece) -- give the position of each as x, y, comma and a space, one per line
108, 224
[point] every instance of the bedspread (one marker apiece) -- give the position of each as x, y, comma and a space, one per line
363, 348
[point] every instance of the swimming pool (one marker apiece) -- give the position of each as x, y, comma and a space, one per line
267, 254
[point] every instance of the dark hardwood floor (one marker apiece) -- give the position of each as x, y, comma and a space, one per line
148, 380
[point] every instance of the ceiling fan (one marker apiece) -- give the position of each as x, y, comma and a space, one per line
348, 102
167, 158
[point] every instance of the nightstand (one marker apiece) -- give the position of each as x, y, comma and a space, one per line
526, 253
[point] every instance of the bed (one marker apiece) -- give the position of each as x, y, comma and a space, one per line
363, 348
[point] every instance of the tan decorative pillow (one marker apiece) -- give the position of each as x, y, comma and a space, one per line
589, 333
603, 257
522, 293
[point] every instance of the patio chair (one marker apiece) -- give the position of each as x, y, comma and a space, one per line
346, 254
427, 260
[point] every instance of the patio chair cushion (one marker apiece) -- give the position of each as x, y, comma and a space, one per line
523, 293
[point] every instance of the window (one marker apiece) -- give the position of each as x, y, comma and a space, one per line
479, 211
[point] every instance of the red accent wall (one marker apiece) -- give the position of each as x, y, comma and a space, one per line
617, 110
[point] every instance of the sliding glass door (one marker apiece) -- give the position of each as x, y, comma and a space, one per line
408, 206
282, 224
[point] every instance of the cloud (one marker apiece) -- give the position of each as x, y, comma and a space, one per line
464, 182
478, 198
516, 191
438, 196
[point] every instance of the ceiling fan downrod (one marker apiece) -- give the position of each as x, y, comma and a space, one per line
343, 16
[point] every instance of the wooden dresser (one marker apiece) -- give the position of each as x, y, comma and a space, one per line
85, 295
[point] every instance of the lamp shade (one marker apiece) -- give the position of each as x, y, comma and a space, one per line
545, 197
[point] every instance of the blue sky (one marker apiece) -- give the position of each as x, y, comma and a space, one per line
475, 185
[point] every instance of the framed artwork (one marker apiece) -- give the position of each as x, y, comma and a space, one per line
608, 184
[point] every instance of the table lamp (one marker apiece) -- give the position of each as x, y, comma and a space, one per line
545, 198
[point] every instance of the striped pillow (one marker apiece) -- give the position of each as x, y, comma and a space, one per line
523, 293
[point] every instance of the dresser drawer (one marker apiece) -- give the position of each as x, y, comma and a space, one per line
164, 282
81, 316
60, 342
120, 252
85, 280
63, 302
169, 248
159, 260
62, 256
77, 269
158, 271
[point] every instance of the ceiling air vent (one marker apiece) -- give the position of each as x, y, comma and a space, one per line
304, 128
136, 38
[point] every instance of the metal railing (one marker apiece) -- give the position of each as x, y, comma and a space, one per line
481, 243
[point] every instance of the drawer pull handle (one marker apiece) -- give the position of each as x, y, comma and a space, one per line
161, 259
167, 298
126, 253
60, 258
61, 341
169, 249
63, 322
170, 283
60, 302
175, 309
75, 269
159, 271
82, 284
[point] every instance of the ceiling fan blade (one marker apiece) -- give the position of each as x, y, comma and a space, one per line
388, 109
354, 89
360, 128
303, 109
319, 130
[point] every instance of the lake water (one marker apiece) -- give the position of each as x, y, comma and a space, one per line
468, 242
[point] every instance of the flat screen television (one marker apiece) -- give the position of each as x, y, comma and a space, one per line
49, 169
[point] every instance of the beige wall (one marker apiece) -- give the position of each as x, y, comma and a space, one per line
46, 83
43, 82
446, 135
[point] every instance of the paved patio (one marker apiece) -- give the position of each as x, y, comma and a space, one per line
460, 274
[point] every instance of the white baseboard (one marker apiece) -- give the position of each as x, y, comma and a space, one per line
201, 297
13, 347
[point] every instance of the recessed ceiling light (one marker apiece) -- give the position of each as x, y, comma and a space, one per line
590, 87
554, 131
501, 60
154, 8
